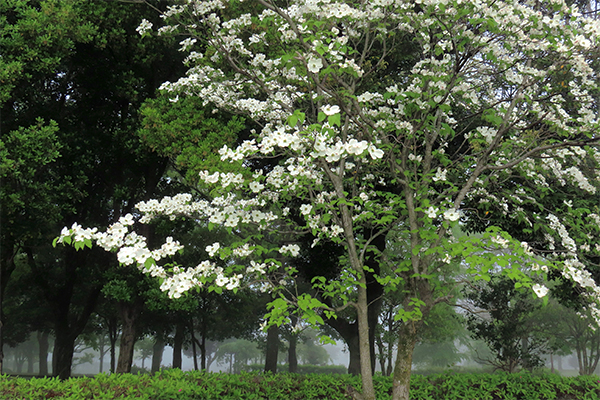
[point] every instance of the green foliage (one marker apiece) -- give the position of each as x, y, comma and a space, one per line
182, 131
178, 385
507, 325
34, 36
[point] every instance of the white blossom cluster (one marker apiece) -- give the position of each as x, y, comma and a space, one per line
353, 155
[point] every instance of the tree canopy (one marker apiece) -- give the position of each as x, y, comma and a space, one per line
384, 116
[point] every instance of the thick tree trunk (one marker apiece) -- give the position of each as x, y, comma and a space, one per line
349, 332
157, 353
272, 349
292, 356
42, 338
178, 345
62, 355
69, 324
406, 344
129, 315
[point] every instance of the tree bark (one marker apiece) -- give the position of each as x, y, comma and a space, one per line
130, 313
157, 353
203, 365
292, 356
101, 345
113, 345
30, 360
402, 370
68, 323
43, 353
272, 349
408, 335
195, 355
62, 355
366, 359
178, 345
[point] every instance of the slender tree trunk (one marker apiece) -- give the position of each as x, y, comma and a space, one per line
157, 353
525, 353
381, 355
129, 316
30, 360
113, 350
178, 345
102, 353
407, 338
272, 349
195, 356
203, 365
366, 366
43, 353
112, 337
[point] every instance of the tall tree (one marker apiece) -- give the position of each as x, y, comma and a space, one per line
368, 146
84, 86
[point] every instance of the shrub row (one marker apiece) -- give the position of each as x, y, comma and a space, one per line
178, 385
302, 369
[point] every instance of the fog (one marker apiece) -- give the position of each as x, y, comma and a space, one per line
87, 361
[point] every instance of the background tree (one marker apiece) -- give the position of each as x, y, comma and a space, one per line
93, 80
507, 326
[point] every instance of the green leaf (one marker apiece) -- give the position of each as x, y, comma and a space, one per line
334, 120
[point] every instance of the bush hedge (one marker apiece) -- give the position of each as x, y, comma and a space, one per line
178, 385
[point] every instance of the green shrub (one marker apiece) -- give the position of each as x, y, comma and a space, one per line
177, 385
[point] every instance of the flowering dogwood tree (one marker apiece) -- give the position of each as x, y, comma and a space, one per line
365, 144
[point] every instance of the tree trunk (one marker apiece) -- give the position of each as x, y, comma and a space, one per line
193, 335
178, 345
406, 345
102, 353
113, 350
381, 355
203, 365
68, 323
112, 337
129, 315
62, 355
157, 353
292, 356
525, 353
366, 361
43, 353
30, 360
8, 250
272, 349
